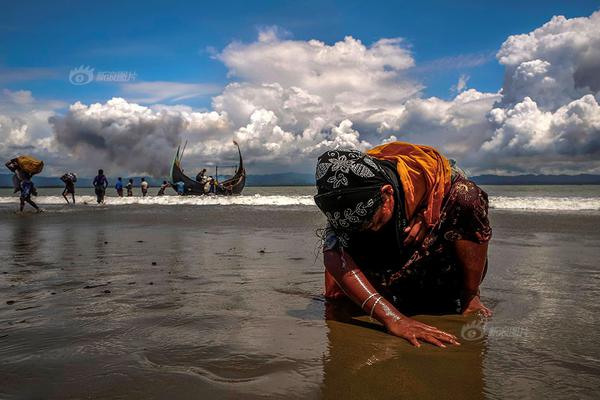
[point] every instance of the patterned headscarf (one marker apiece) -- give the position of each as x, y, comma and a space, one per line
348, 189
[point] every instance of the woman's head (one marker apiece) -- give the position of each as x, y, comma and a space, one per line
353, 191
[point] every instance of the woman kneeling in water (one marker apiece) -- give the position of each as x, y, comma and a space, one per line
407, 233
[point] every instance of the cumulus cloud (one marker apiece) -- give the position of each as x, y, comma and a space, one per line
549, 107
138, 138
296, 99
348, 73
544, 119
24, 127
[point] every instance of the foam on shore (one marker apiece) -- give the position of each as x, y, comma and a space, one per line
254, 200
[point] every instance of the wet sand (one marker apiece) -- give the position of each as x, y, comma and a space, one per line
225, 302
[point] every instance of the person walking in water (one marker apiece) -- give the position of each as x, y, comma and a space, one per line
129, 188
27, 189
180, 188
100, 184
144, 187
161, 191
69, 179
119, 187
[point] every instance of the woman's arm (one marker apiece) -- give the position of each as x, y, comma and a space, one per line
12, 165
354, 283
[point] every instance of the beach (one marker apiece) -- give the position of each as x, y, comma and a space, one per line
184, 298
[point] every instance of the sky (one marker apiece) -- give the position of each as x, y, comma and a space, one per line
502, 87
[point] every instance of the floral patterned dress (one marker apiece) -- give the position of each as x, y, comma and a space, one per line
426, 278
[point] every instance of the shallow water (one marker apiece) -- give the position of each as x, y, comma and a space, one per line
232, 308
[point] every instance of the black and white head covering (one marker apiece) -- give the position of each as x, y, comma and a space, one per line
348, 188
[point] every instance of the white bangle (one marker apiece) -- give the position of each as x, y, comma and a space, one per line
362, 306
373, 307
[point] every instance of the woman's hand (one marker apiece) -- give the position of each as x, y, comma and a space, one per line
474, 305
413, 331
415, 231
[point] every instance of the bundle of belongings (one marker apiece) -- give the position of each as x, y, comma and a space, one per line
69, 177
30, 165
24, 168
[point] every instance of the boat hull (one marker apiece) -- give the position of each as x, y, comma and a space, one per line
232, 186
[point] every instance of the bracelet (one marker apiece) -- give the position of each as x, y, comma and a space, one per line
362, 306
373, 307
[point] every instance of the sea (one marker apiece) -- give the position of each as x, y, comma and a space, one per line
222, 297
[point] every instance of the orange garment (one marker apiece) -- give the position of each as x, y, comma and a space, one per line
425, 175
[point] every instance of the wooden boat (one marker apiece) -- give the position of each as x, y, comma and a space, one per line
233, 185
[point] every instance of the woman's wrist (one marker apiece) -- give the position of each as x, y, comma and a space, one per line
468, 294
384, 312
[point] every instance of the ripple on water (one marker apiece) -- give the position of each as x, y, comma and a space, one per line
229, 368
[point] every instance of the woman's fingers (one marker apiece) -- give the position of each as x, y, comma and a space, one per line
413, 340
441, 335
431, 339
416, 232
412, 233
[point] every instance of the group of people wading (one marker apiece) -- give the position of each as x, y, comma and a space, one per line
100, 184
24, 167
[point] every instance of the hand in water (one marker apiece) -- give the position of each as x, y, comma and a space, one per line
475, 305
413, 331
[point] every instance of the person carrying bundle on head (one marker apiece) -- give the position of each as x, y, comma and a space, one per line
161, 191
24, 167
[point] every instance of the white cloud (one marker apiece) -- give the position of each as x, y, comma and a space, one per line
133, 137
461, 85
549, 109
348, 74
24, 127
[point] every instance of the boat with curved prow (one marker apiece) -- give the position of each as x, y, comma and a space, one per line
233, 185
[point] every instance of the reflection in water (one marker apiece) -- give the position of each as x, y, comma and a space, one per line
221, 302
363, 362
25, 240
100, 244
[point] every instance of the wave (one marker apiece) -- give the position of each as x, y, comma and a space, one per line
254, 200
529, 203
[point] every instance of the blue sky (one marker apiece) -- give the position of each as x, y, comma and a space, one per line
503, 87
172, 41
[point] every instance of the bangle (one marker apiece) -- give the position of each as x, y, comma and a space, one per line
362, 306
373, 307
